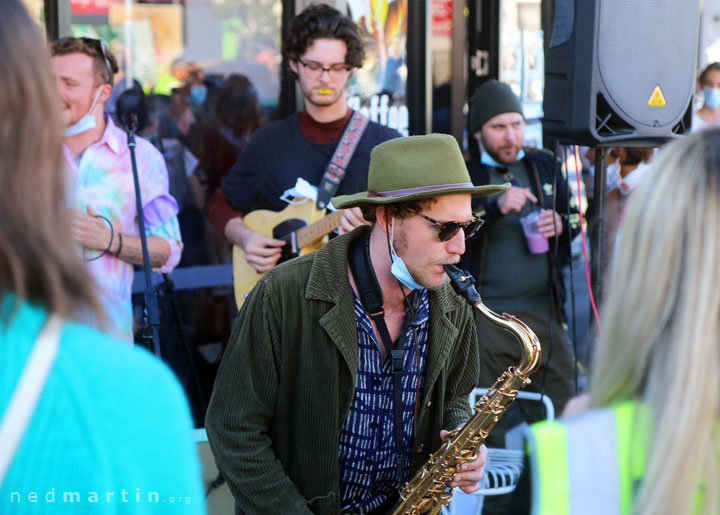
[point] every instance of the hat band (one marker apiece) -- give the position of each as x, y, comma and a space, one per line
419, 189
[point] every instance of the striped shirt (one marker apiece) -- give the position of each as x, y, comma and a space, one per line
367, 440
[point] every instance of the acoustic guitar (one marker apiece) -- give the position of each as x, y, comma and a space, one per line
301, 225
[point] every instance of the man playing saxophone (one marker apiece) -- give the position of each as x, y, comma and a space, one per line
347, 366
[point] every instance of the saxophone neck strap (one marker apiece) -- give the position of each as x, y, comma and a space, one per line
371, 298
335, 171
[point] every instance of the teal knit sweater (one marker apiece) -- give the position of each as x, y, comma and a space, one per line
111, 432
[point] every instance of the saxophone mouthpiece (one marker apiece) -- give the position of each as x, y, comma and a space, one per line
462, 282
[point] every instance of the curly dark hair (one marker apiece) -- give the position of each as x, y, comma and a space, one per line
397, 210
322, 21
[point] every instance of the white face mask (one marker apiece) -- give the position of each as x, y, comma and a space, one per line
85, 123
612, 176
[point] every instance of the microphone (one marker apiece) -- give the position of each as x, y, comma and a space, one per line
131, 109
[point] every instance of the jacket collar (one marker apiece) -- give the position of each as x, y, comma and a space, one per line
328, 281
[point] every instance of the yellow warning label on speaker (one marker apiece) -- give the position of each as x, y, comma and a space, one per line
657, 98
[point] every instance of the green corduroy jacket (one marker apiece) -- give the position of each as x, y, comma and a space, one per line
287, 379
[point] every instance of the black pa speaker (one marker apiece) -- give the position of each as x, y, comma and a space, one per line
621, 71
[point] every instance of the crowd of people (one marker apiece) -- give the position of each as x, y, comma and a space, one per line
349, 365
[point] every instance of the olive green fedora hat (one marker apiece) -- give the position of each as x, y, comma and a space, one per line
415, 168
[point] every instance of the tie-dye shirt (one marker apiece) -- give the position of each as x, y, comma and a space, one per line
103, 179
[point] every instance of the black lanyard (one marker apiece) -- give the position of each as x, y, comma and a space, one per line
372, 301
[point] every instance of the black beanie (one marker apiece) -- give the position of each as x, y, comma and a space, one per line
491, 98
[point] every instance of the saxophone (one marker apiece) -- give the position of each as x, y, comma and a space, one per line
428, 490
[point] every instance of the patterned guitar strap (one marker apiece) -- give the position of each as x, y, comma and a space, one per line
335, 171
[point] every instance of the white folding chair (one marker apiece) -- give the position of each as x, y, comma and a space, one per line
503, 467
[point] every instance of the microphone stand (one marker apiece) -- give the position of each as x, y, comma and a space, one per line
152, 313
597, 242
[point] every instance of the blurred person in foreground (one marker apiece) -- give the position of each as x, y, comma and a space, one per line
649, 444
98, 159
107, 429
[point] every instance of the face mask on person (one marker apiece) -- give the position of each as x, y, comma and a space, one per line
612, 176
85, 123
198, 94
489, 160
398, 268
712, 97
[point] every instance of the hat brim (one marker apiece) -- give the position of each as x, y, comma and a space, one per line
365, 198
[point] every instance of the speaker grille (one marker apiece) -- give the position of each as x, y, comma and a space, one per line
643, 44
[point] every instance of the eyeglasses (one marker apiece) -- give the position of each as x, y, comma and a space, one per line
100, 45
446, 230
315, 70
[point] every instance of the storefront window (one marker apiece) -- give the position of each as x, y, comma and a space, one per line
158, 43
522, 60
441, 54
378, 88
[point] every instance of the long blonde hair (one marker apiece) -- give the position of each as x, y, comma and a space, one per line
37, 259
661, 325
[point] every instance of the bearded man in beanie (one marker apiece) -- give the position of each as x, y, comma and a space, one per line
513, 279
303, 414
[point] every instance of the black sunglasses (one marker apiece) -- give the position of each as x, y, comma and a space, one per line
100, 45
446, 230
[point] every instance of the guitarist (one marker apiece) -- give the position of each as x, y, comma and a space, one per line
323, 48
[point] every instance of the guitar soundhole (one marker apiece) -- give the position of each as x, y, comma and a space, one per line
283, 231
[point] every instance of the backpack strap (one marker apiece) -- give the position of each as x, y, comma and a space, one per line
27, 391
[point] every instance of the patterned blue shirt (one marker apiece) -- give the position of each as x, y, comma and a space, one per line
367, 440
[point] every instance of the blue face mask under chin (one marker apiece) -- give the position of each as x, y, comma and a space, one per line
398, 268
488, 160
712, 97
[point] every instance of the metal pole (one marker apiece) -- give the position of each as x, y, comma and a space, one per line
598, 235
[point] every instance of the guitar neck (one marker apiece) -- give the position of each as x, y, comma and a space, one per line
315, 231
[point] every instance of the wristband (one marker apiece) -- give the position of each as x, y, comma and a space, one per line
117, 254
